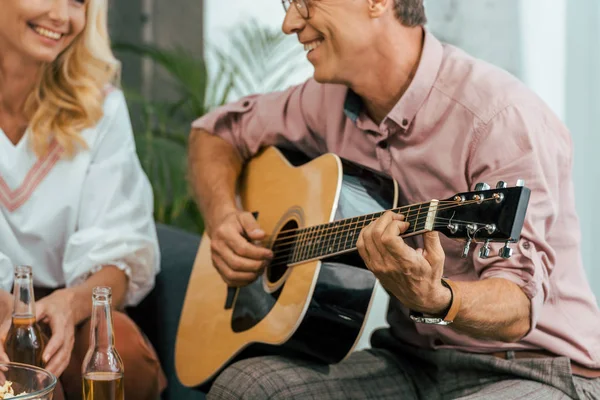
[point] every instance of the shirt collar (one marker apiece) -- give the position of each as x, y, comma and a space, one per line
406, 109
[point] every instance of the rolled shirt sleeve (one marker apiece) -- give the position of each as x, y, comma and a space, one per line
521, 143
288, 118
115, 220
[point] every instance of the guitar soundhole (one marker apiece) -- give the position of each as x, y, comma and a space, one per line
283, 247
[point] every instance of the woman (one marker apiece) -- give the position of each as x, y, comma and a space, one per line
74, 201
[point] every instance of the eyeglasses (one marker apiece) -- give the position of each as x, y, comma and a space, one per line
301, 6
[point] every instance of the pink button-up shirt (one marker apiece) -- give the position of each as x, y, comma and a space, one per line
461, 121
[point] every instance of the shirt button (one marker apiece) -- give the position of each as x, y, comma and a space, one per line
246, 103
404, 122
526, 245
383, 145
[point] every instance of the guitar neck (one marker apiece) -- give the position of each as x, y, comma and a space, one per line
340, 236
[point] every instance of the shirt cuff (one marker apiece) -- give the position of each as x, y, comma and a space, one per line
123, 266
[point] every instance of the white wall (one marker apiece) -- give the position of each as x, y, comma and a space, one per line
220, 17
543, 48
582, 110
562, 60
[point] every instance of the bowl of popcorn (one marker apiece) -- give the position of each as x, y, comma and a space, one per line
25, 382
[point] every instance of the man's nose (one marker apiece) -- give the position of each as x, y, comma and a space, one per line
293, 21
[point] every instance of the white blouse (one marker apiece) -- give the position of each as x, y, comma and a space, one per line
68, 217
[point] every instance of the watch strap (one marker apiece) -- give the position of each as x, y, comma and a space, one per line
450, 312
454, 301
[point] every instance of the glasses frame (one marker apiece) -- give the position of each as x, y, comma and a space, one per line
301, 7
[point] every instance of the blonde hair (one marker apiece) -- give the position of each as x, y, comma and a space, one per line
69, 95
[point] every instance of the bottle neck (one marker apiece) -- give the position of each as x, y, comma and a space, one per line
24, 301
101, 332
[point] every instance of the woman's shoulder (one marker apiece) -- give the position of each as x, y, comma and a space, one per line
115, 124
113, 101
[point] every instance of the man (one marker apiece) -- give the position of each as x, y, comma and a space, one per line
387, 94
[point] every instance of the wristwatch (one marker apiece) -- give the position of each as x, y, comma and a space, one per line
448, 315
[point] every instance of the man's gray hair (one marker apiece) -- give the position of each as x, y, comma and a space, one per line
411, 12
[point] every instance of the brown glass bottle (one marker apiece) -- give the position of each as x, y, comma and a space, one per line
25, 342
102, 370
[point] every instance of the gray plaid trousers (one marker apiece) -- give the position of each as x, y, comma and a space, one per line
391, 370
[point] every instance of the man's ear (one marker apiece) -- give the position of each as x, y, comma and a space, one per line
378, 7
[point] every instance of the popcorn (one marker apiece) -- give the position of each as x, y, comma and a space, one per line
7, 392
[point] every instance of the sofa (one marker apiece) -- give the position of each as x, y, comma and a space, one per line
158, 314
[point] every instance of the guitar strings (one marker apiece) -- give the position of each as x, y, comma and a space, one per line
399, 209
283, 261
285, 250
323, 245
354, 224
327, 235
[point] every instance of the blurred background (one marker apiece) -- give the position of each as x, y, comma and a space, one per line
183, 57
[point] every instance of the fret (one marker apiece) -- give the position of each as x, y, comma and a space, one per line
345, 226
341, 233
309, 242
296, 243
314, 241
334, 237
340, 236
350, 242
331, 248
356, 229
306, 245
416, 227
331, 238
418, 216
325, 246
305, 235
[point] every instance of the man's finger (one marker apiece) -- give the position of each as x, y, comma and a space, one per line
243, 248
398, 217
250, 226
362, 250
391, 234
231, 277
434, 253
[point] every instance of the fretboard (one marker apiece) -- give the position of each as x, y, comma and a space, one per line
341, 236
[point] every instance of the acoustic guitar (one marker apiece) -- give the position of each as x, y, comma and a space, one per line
315, 296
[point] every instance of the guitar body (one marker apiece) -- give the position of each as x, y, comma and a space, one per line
316, 308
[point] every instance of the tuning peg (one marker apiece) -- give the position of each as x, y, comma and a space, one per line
465, 252
501, 185
505, 251
484, 252
520, 182
482, 186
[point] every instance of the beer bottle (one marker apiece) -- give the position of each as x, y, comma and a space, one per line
25, 342
102, 368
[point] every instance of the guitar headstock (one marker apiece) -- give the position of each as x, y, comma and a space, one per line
485, 215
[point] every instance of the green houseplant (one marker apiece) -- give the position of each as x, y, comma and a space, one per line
255, 59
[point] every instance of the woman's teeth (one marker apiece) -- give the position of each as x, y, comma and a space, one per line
47, 33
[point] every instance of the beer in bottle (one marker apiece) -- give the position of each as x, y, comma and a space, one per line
25, 342
102, 368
